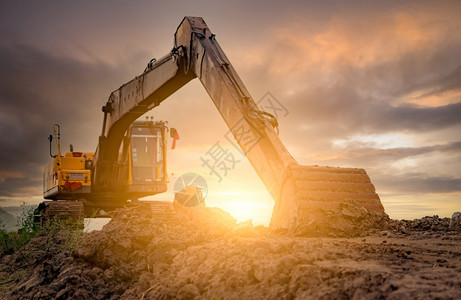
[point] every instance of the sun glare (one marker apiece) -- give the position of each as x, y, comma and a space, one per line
244, 205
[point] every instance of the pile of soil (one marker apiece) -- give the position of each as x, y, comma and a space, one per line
207, 256
426, 225
345, 220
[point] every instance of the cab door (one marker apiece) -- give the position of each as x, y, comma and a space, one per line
146, 155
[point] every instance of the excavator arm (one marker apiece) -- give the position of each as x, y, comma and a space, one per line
301, 193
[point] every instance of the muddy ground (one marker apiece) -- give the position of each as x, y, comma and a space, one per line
208, 256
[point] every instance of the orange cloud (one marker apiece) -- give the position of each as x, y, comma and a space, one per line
428, 98
358, 41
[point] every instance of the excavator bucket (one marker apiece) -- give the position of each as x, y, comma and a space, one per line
327, 200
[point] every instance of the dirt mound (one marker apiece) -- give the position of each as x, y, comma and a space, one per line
107, 262
205, 255
426, 226
346, 220
287, 268
433, 223
133, 240
44, 269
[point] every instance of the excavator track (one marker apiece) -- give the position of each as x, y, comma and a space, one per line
49, 211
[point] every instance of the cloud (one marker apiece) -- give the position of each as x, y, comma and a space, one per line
37, 90
358, 150
417, 183
10, 174
355, 36
441, 86
343, 111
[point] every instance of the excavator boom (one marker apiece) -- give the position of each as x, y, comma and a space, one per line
302, 194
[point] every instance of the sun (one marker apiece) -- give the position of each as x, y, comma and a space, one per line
256, 206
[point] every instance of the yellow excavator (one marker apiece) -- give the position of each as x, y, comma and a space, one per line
141, 171
130, 160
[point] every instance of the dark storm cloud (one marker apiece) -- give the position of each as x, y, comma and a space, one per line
360, 151
390, 118
431, 70
37, 90
369, 100
443, 84
417, 183
342, 112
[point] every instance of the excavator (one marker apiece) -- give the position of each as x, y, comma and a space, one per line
130, 159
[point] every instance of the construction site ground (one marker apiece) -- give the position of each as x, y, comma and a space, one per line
147, 254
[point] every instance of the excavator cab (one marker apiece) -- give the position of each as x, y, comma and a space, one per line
147, 151
146, 155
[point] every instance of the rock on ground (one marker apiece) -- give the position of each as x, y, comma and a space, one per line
455, 221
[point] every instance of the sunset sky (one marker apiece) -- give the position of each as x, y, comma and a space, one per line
369, 84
